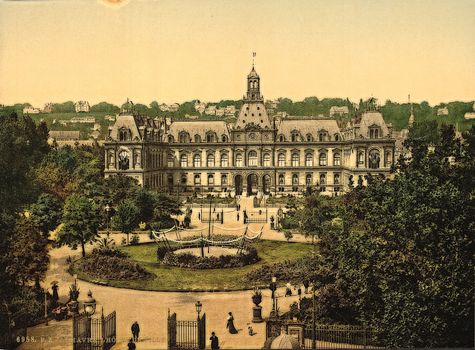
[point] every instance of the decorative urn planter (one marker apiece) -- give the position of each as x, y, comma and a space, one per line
257, 309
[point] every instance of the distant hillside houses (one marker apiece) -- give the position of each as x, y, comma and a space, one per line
169, 108
442, 111
110, 118
272, 103
83, 120
64, 135
31, 110
200, 107
82, 106
336, 110
470, 115
210, 110
48, 108
228, 111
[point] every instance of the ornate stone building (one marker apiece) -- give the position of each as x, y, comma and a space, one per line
256, 154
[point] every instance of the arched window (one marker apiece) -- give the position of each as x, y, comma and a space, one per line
239, 161
183, 160
252, 161
336, 179
295, 182
323, 179
224, 160
184, 137
224, 180
224, 138
309, 137
123, 135
210, 137
197, 180
197, 161
322, 159
170, 161
170, 138
281, 183
197, 138
374, 159
308, 179
266, 160
336, 159
210, 180
387, 158
295, 159
295, 136
281, 159
337, 137
210, 160
309, 159
360, 159
375, 132
281, 138
124, 160
322, 136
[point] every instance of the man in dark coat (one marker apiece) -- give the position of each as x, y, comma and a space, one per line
131, 345
214, 341
135, 331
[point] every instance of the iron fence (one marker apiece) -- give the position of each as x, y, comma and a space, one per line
186, 334
256, 217
341, 337
94, 334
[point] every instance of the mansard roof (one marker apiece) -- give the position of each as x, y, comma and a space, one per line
372, 118
198, 127
307, 126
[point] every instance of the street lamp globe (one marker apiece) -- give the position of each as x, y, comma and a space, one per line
198, 306
90, 305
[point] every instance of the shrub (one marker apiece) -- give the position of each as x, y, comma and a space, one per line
135, 239
288, 235
161, 251
112, 268
249, 256
289, 222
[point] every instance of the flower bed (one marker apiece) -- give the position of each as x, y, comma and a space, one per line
247, 257
112, 267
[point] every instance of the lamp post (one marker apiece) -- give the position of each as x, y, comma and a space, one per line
198, 306
107, 209
273, 287
210, 216
89, 305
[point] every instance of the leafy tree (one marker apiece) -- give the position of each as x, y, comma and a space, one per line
406, 263
145, 201
126, 217
46, 213
105, 107
81, 219
65, 107
28, 253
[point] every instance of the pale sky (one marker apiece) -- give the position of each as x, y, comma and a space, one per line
173, 51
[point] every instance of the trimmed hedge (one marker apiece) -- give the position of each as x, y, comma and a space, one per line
249, 256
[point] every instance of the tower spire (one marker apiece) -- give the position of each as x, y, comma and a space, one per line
253, 56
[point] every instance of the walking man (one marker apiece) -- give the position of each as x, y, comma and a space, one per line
131, 345
214, 341
238, 216
135, 331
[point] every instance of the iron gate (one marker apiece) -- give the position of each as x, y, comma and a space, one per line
94, 334
186, 334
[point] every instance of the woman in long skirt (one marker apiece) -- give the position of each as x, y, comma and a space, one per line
230, 324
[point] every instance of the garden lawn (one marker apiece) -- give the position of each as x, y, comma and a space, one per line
170, 278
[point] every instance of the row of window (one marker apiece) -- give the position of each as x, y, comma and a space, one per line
281, 179
253, 160
295, 136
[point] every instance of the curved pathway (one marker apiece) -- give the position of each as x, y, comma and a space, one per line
150, 309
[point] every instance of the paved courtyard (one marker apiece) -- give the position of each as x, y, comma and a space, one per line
150, 309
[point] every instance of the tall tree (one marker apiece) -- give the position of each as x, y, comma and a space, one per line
126, 217
81, 219
46, 213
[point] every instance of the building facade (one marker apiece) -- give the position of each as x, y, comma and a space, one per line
257, 154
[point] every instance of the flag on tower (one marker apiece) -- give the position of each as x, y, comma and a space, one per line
253, 54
